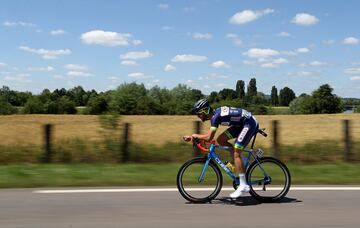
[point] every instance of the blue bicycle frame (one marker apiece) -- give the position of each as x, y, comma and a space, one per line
246, 159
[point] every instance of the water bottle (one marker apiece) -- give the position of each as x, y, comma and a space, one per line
230, 166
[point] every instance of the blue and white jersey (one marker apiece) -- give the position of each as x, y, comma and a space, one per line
229, 116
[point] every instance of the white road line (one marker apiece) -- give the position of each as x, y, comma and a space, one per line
63, 191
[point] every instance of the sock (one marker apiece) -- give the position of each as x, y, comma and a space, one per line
242, 179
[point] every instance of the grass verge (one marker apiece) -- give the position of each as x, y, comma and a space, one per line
58, 175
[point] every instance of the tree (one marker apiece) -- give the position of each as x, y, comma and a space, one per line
286, 96
66, 106
6, 108
325, 101
240, 89
252, 89
213, 97
274, 96
34, 106
321, 101
125, 98
304, 104
227, 94
76, 94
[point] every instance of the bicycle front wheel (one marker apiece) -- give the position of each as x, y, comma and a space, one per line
192, 188
269, 180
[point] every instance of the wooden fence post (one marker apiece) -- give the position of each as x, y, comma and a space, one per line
276, 150
125, 145
197, 130
47, 144
347, 141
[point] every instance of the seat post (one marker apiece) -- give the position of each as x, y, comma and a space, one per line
253, 142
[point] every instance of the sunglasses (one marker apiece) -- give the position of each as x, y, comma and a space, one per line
205, 111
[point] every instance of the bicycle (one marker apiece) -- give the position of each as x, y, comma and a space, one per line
205, 171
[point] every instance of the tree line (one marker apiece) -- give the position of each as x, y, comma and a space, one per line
135, 99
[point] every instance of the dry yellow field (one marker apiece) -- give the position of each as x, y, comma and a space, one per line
294, 129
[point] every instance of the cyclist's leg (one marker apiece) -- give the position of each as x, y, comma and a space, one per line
230, 133
247, 132
249, 129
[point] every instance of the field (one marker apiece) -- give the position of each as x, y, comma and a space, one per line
59, 175
295, 130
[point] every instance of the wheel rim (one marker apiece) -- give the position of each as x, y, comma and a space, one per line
196, 190
276, 186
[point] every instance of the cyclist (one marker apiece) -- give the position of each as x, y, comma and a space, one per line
242, 127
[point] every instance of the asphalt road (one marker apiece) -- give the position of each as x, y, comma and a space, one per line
25, 208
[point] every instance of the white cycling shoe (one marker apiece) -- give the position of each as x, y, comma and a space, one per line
239, 191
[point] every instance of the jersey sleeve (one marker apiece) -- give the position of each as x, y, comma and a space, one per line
215, 121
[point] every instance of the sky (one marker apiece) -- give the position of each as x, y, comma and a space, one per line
207, 45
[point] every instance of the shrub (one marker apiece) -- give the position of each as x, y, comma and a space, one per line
6, 108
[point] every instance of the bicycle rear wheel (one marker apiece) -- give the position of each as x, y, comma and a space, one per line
195, 190
269, 180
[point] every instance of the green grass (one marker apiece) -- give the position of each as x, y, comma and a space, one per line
57, 175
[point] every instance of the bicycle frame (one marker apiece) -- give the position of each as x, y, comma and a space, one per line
246, 159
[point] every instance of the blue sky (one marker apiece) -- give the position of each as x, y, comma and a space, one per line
207, 45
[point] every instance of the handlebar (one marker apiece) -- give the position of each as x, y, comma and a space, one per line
199, 144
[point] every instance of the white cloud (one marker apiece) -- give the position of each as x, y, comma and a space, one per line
290, 53
167, 28
201, 36
328, 42
163, 6
18, 23
235, 39
128, 63
58, 76
261, 53
352, 71
283, 34
169, 67
280, 61
274, 63
247, 62
106, 38
303, 50
46, 54
3, 64
304, 19
247, 16
212, 77
351, 41
355, 78
139, 75
134, 55
317, 63
189, 58
41, 69
136, 42
220, 64
57, 32
305, 74
75, 67
78, 74
21, 78
189, 9
268, 65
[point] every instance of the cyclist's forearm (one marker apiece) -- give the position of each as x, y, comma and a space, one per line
207, 137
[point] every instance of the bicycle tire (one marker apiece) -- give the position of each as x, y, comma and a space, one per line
287, 182
187, 194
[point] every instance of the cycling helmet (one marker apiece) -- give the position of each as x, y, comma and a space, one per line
202, 106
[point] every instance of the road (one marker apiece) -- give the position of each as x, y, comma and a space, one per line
140, 208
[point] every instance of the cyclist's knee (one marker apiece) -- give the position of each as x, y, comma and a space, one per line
238, 149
